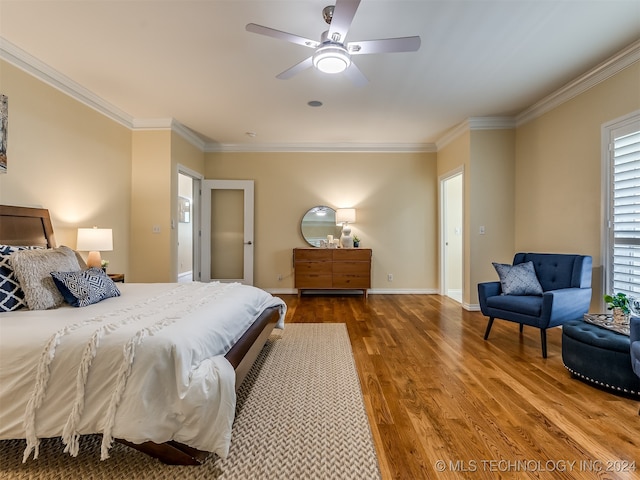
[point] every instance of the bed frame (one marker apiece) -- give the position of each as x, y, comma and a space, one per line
32, 226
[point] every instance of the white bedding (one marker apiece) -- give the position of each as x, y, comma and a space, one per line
148, 365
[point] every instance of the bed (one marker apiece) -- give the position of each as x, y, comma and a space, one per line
155, 366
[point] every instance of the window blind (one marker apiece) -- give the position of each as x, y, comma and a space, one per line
626, 214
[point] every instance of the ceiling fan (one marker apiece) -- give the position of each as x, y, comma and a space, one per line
332, 54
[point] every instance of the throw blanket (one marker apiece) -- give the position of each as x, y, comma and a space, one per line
148, 365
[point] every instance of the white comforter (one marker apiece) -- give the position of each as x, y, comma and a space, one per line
148, 365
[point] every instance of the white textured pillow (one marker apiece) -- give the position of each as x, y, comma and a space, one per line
33, 269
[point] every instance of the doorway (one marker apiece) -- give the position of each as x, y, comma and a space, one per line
452, 238
188, 209
227, 231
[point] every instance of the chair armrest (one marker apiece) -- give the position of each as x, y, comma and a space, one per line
486, 290
634, 329
559, 306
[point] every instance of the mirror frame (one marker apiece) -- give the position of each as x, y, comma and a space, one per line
311, 233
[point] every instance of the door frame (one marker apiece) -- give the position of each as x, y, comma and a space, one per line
247, 186
195, 219
442, 179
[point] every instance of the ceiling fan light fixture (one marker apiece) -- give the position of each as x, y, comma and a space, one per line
331, 59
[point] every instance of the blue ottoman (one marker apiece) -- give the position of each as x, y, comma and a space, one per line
600, 356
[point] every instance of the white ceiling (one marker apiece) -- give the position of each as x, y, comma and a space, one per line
194, 62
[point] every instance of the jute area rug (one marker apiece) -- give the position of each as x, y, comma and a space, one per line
300, 415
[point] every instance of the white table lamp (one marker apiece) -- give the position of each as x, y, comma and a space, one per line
94, 240
345, 216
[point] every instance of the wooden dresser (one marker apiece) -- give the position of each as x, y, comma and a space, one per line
332, 269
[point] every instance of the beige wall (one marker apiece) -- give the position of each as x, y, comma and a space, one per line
492, 193
487, 160
558, 198
68, 158
394, 194
151, 206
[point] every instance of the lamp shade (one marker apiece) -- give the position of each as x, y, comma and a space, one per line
345, 215
94, 239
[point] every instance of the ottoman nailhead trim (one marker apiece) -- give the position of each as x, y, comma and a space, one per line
600, 383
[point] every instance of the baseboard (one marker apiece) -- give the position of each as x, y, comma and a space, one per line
472, 307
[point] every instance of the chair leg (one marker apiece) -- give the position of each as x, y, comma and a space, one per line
521, 327
486, 333
543, 340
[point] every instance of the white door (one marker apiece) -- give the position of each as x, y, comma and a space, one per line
227, 231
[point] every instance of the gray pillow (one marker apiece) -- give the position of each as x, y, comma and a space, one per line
518, 279
33, 269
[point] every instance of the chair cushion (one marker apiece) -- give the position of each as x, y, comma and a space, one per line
518, 279
523, 304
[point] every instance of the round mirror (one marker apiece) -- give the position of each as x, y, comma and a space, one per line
319, 222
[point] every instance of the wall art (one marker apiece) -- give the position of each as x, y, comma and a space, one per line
4, 125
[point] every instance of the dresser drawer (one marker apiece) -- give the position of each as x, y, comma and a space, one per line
350, 281
351, 268
352, 255
312, 255
313, 268
314, 281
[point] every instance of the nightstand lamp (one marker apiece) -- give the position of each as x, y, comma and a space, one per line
94, 240
345, 216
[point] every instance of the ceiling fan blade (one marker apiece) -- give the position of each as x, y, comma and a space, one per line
287, 37
343, 14
387, 45
297, 68
356, 76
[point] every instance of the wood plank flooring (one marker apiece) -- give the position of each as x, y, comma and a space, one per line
445, 404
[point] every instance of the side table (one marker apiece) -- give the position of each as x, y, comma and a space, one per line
116, 277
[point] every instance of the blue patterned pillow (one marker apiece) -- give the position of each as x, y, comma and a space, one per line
518, 279
85, 287
11, 295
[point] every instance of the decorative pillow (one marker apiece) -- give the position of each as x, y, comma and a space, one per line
11, 295
85, 287
33, 269
518, 279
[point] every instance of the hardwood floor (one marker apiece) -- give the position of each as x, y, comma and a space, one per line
445, 404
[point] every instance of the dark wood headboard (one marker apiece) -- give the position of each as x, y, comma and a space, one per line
26, 226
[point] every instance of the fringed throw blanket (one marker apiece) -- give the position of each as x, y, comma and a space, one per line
148, 365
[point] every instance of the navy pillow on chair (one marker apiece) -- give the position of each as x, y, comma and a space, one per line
85, 287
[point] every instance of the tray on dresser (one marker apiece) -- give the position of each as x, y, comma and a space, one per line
605, 320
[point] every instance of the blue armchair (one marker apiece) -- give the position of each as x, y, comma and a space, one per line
566, 294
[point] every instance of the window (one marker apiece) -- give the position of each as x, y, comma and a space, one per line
621, 141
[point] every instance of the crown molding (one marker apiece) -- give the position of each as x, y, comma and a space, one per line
476, 123
170, 124
621, 60
34, 67
321, 147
